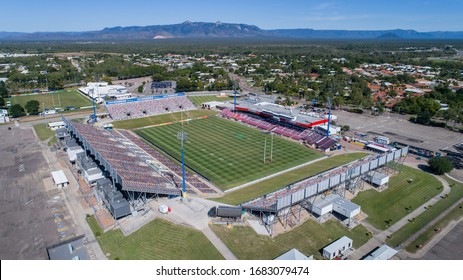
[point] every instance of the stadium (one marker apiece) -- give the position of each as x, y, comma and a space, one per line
226, 153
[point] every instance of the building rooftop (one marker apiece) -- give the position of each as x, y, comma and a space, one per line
293, 254
72, 249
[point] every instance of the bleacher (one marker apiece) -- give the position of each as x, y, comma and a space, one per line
268, 202
309, 136
134, 171
150, 107
175, 168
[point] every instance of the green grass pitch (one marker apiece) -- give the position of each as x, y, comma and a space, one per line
54, 100
228, 153
198, 100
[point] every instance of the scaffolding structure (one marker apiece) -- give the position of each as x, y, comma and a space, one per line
285, 205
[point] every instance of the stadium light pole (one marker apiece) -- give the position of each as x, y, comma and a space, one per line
182, 136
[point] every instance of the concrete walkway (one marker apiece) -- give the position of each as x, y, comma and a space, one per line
194, 213
77, 212
380, 237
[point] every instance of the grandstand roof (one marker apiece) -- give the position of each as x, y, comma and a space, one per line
294, 115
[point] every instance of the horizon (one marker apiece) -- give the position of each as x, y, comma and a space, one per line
356, 15
308, 28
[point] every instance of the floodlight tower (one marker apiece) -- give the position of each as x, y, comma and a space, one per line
93, 103
182, 136
329, 117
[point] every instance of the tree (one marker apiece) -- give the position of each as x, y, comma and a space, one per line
440, 165
2, 101
107, 79
32, 107
423, 118
3, 90
16, 110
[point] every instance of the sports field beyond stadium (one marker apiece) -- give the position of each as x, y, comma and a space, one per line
228, 153
59, 99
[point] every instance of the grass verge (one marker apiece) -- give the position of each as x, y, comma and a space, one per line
401, 197
157, 240
277, 182
428, 216
309, 238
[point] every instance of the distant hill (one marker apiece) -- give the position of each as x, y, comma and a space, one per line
223, 30
389, 36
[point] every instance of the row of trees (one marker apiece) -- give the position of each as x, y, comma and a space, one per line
32, 107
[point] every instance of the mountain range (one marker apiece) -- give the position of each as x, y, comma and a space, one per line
222, 30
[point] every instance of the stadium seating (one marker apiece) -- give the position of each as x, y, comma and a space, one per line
136, 174
150, 107
190, 178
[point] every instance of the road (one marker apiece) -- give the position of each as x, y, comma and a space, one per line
242, 83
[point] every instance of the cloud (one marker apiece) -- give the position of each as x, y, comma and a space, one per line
322, 6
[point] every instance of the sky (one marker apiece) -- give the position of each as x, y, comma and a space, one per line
85, 15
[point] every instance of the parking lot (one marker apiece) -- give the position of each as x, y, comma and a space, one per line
31, 216
448, 248
398, 128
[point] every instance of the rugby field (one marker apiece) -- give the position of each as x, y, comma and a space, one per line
228, 153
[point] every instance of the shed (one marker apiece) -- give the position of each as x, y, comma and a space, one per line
293, 255
382, 253
93, 174
337, 248
322, 207
343, 206
61, 133
377, 179
60, 178
56, 125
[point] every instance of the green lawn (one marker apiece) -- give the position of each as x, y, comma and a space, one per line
43, 132
198, 100
54, 100
158, 240
308, 238
277, 182
226, 152
160, 119
387, 207
422, 220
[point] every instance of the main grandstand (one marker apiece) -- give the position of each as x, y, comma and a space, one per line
309, 136
133, 165
264, 107
278, 204
147, 106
